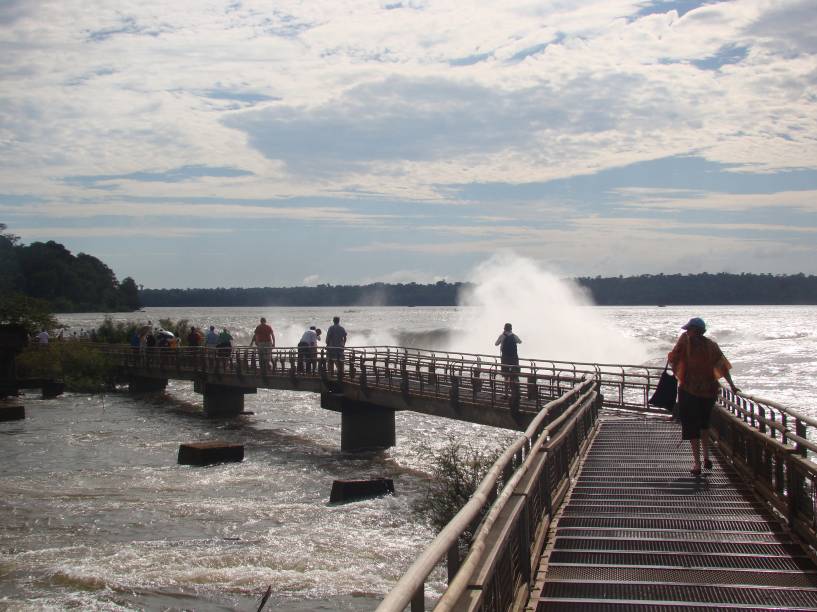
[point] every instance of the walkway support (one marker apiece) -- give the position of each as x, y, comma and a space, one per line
363, 426
146, 384
222, 401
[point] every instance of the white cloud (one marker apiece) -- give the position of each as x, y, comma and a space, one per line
353, 101
208, 211
57, 233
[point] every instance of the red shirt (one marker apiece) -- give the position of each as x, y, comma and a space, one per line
263, 333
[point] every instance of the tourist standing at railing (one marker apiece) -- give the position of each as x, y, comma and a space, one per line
698, 364
42, 338
225, 344
194, 338
507, 342
211, 339
264, 338
210, 344
308, 340
335, 341
145, 331
313, 350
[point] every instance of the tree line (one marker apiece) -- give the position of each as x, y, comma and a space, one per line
375, 294
647, 289
704, 289
59, 281
49, 272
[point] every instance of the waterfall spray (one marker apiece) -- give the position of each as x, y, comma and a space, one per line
554, 318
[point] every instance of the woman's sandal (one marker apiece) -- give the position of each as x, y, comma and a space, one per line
695, 471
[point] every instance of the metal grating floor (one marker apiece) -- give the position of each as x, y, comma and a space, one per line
639, 533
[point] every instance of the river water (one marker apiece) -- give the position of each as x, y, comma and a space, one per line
95, 514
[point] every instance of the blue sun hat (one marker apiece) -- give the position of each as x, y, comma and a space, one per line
696, 322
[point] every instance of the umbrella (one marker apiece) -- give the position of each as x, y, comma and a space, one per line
165, 333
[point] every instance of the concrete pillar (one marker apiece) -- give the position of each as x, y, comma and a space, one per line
144, 384
223, 400
365, 426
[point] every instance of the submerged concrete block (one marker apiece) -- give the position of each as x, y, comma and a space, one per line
144, 384
207, 453
52, 389
351, 490
11, 412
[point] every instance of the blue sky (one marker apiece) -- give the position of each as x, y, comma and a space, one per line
261, 143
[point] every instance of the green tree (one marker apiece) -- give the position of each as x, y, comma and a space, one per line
129, 293
31, 313
49, 271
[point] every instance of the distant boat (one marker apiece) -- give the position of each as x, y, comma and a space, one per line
662, 305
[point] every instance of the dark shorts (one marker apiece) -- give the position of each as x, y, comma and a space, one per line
510, 365
695, 412
335, 353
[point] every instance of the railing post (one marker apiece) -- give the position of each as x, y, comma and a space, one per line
533, 391
453, 560
792, 490
800, 430
418, 601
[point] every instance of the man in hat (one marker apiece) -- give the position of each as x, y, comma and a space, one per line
698, 364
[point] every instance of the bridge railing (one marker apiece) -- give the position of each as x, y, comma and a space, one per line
436, 372
622, 386
769, 445
512, 507
459, 377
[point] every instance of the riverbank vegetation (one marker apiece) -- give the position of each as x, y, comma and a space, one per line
49, 272
79, 365
457, 469
121, 332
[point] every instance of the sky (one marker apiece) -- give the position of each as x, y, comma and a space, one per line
250, 143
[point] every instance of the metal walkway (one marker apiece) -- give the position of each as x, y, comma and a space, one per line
639, 532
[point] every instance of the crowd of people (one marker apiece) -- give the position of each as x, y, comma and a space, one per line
42, 338
263, 337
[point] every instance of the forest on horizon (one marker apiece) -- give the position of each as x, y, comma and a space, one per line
64, 282
646, 289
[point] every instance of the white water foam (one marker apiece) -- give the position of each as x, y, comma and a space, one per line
553, 317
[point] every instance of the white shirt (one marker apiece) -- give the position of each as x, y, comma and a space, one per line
310, 337
42, 337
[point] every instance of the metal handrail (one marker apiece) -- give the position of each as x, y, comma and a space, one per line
457, 586
623, 386
779, 471
411, 584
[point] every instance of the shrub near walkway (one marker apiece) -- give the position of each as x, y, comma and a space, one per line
79, 365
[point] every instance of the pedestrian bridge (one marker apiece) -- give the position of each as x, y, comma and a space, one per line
374, 382
592, 507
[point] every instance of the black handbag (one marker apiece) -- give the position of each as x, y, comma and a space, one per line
665, 392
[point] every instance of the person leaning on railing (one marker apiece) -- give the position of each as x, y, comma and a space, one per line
698, 364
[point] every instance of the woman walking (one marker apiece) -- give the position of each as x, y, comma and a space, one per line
698, 364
